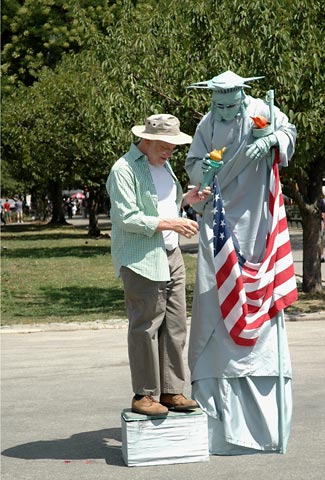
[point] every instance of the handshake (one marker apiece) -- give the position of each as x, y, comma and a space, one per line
211, 162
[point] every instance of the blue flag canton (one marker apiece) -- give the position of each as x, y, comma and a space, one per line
221, 230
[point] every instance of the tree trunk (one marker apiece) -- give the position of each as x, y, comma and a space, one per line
93, 229
55, 191
306, 191
40, 203
312, 244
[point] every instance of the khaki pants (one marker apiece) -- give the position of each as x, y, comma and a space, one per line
157, 329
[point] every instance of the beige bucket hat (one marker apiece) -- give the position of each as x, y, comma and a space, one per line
164, 127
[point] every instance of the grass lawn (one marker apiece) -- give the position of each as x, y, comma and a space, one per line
60, 275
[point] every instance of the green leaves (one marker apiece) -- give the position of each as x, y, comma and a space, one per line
134, 59
39, 32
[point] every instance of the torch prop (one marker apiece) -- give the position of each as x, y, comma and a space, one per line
215, 162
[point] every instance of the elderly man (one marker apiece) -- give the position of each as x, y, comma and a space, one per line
235, 376
146, 200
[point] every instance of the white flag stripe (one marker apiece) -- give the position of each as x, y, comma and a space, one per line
284, 262
261, 268
234, 314
228, 284
250, 334
279, 266
282, 212
224, 252
260, 282
284, 289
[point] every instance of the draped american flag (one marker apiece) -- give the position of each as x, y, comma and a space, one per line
252, 293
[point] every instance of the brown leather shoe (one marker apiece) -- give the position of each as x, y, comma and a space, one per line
147, 405
177, 402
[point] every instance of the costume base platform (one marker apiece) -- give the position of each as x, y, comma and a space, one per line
179, 437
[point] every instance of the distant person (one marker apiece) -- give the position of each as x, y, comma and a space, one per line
3, 220
322, 208
146, 200
7, 211
69, 207
74, 207
19, 210
84, 207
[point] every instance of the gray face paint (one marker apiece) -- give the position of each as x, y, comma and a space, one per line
228, 98
225, 106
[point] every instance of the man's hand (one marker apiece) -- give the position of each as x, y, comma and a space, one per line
183, 226
195, 196
261, 147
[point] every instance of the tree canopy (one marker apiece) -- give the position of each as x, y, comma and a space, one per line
36, 33
77, 77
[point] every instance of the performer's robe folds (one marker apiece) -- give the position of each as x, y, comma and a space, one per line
237, 386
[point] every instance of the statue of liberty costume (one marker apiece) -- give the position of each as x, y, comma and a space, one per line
238, 386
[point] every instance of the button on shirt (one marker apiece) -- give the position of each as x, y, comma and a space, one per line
135, 243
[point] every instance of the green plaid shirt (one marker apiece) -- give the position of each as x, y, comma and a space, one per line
134, 215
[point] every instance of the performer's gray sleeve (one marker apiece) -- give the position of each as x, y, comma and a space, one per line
286, 134
200, 146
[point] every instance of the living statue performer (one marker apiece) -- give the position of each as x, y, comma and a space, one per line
238, 352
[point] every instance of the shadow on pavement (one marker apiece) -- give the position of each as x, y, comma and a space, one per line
100, 444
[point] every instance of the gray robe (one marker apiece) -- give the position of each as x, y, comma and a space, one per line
236, 385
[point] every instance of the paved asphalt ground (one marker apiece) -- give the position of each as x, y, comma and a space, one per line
63, 390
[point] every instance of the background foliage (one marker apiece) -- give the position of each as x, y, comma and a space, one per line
77, 77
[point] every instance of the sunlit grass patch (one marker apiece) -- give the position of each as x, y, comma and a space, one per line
61, 275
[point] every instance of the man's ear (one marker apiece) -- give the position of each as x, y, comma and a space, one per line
143, 145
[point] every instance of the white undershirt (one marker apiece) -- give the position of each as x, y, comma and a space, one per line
167, 207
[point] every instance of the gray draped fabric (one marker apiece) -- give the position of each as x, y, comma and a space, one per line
215, 361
